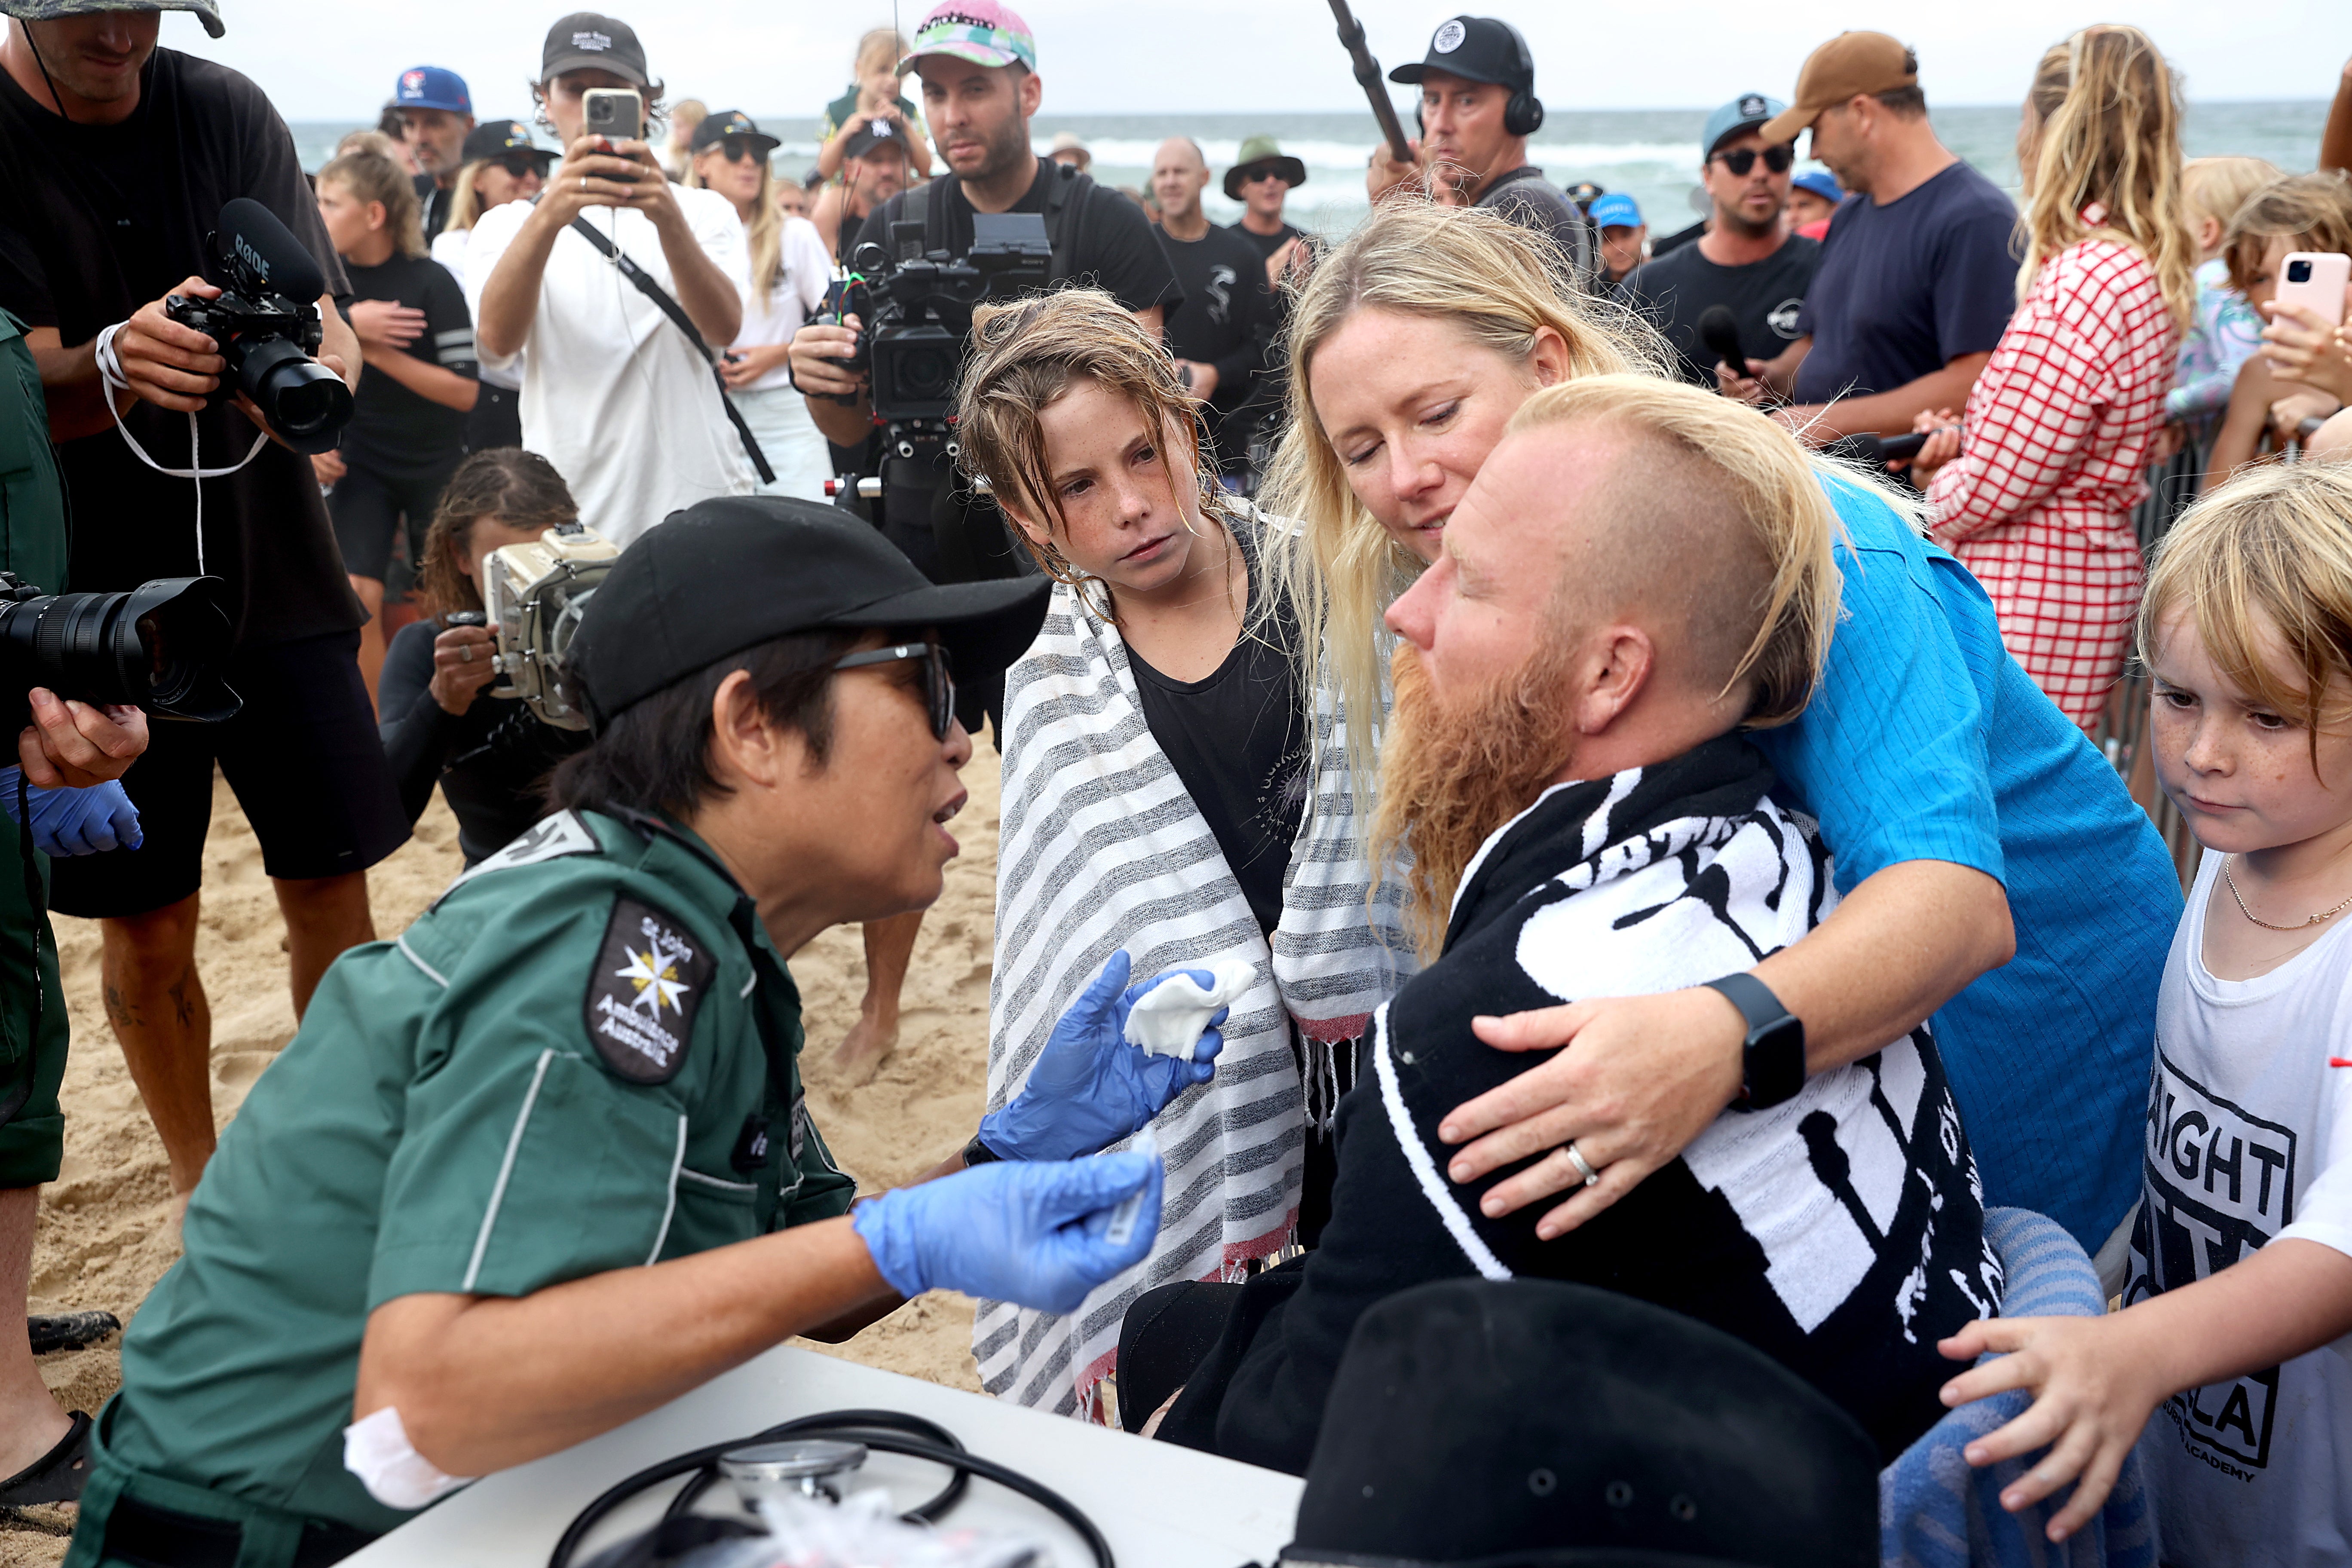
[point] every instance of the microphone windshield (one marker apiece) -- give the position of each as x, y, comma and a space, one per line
253, 236
1720, 334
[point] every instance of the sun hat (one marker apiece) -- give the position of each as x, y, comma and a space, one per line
1255, 151
1615, 210
981, 31
207, 11
1846, 67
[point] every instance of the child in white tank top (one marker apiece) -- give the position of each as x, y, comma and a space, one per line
2233, 1331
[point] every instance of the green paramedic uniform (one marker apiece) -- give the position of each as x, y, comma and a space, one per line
581, 1057
34, 544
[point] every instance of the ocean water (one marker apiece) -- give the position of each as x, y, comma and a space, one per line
1650, 154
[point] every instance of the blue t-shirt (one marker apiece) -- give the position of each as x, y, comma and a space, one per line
1904, 288
1926, 741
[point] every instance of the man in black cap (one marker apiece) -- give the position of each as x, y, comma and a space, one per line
876, 161
1478, 106
544, 1163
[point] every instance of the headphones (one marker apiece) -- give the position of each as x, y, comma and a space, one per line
1523, 115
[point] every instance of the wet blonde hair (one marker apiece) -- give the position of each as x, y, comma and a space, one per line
2315, 209
1766, 618
1025, 355
2264, 562
2218, 188
1339, 570
372, 177
2108, 108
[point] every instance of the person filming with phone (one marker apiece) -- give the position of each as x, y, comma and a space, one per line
615, 393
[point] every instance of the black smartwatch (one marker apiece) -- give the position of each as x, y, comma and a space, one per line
1772, 1058
978, 1153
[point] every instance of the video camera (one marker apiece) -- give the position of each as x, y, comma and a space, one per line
267, 326
536, 593
159, 646
917, 306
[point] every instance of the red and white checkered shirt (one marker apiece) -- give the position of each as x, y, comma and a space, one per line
2060, 427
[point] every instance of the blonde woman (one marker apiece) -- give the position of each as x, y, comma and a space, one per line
1940, 774
789, 274
2034, 493
501, 164
407, 432
1155, 800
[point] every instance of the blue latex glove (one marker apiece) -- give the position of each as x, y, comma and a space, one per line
1031, 1234
1090, 1088
75, 821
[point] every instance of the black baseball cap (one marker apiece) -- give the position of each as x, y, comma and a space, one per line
872, 133
729, 574
498, 137
716, 128
1475, 48
587, 41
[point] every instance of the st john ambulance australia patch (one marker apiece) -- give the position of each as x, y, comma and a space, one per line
649, 978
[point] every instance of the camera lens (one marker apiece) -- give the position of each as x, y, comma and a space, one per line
2298, 272
926, 372
159, 646
304, 401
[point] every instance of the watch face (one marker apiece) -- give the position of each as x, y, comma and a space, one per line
1775, 1062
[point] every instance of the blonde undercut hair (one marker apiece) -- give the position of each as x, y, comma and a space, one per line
2264, 564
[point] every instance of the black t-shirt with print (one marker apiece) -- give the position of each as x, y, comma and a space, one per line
95, 222
1226, 321
1672, 291
394, 430
1267, 244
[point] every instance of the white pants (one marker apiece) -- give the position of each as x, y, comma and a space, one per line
789, 439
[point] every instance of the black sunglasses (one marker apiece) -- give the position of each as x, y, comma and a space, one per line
939, 681
735, 148
1261, 171
1739, 160
519, 164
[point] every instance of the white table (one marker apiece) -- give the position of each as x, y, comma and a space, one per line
1158, 1506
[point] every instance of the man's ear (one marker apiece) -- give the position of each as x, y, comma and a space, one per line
1616, 668
1033, 93
747, 746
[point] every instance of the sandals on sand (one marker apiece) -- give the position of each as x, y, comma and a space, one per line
57, 1475
70, 1330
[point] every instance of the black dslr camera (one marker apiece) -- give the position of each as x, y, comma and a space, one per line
267, 324
916, 307
159, 646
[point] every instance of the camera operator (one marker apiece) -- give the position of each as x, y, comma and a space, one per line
544, 1164
978, 66
613, 392
119, 157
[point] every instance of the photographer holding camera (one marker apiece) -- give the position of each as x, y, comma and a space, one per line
122, 161
615, 393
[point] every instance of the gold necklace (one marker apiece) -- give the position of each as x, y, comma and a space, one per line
2316, 920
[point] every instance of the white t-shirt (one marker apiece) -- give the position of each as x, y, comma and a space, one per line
612, 394
449, 248
807, 272
2248, 1140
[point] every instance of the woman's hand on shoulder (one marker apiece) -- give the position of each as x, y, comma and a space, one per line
463, 661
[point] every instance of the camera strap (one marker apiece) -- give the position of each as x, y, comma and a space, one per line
685, 324
112, 381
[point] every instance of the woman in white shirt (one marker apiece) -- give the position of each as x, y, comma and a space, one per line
788, 273
499, 165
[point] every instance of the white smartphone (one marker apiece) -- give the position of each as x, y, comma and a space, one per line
2316, 281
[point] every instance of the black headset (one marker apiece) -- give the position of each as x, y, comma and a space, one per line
1524, 114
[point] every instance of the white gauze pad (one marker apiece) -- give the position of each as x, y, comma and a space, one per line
1168, 1019
1130, 1209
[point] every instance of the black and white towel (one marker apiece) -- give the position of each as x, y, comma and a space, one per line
1099, 848
1840, 1232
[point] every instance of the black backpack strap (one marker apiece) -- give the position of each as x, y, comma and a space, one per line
653, 291
1066, 219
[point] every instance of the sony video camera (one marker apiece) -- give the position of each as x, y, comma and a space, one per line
159, 646
916, 307
267, 326
536, 593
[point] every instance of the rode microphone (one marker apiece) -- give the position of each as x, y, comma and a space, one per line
262, 249
1720, 334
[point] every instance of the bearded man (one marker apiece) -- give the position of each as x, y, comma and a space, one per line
1641, 570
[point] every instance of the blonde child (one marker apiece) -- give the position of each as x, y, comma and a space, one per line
2242, 1256
2226, 330
2275, 389
873, 94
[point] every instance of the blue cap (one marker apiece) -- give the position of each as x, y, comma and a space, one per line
433, 87
1746, 112
1822, 183
1615, 210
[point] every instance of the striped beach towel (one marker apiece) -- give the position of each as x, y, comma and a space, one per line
1099, 848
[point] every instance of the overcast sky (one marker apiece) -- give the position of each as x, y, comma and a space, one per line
337, 60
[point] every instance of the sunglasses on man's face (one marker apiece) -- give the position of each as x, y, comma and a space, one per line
939, 681
1742, 159
1252, 176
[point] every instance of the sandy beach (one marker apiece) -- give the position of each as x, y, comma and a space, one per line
106, 1232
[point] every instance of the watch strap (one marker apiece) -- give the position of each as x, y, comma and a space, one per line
978, 1153
1772, 1056
1753, 999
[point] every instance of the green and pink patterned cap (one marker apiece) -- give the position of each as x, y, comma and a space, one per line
981, 31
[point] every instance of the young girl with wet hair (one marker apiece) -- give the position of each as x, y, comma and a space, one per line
408, 430
2240, 1280
2299, 372
1157, 798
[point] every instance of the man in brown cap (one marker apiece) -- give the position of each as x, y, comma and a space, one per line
1917, 280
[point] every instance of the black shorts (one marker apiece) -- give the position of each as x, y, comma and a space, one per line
304, 759
368, 507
